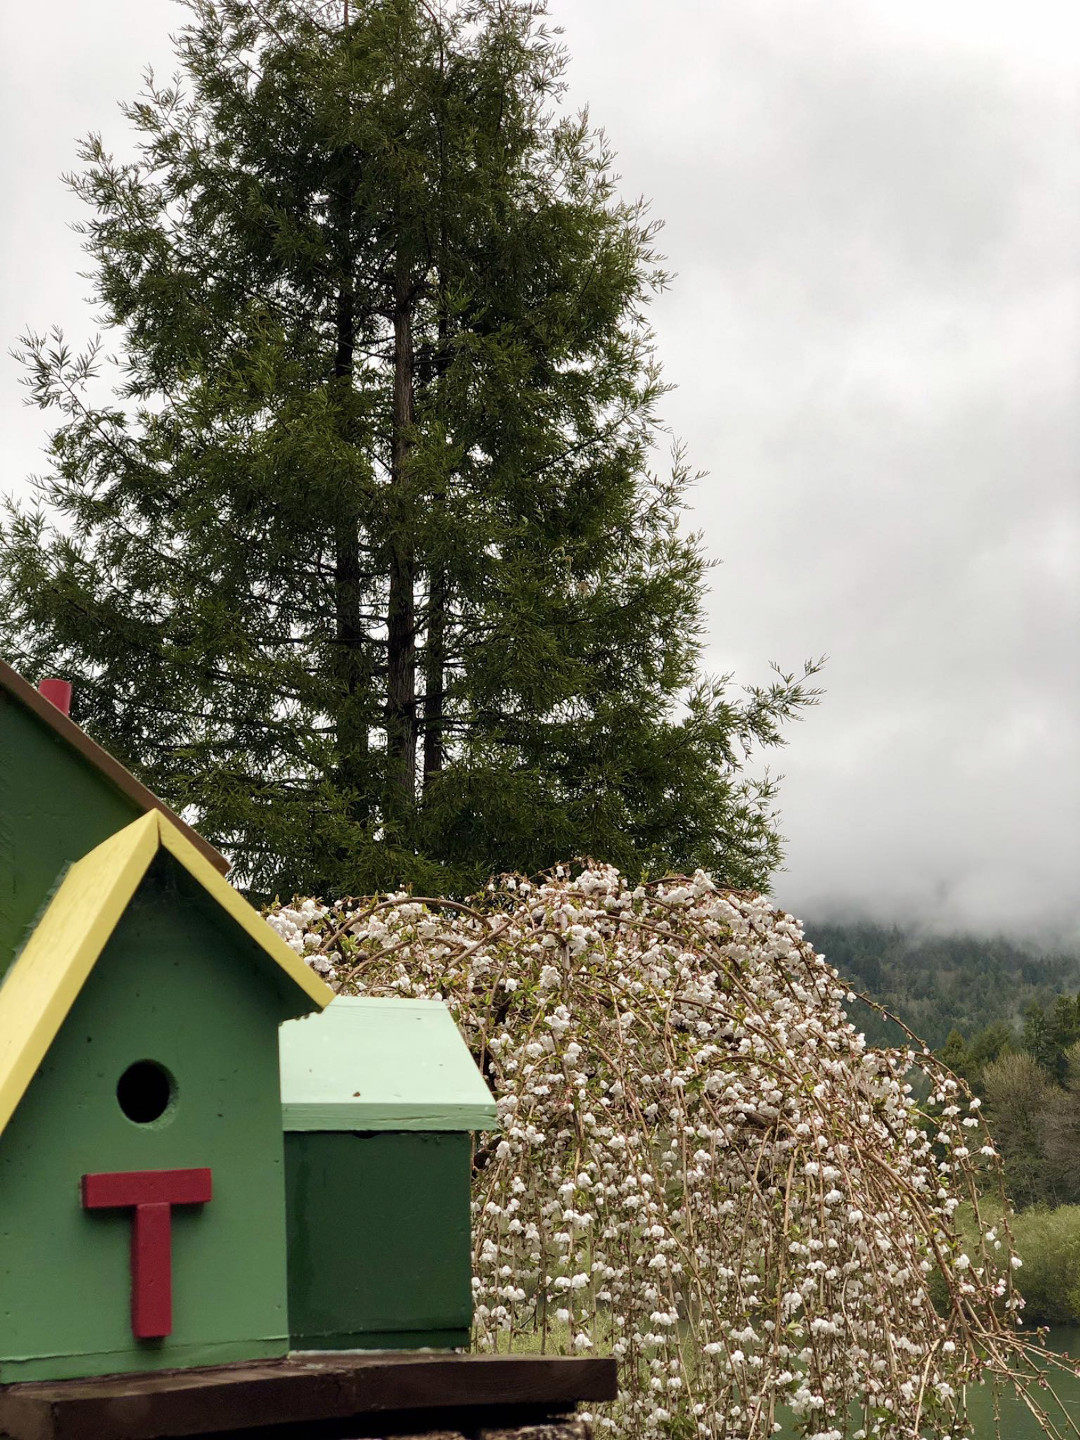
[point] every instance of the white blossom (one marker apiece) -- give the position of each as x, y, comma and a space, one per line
702, 1168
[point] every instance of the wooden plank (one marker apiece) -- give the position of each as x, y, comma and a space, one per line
51, 970
303, 1388
401, 1264
22, 691
378, 1063
516, 1423
245, 915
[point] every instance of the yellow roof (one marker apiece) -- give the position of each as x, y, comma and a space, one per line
50, 971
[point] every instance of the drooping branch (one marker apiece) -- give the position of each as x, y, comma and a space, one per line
702, 1168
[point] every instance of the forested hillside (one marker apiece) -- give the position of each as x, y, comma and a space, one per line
937, 984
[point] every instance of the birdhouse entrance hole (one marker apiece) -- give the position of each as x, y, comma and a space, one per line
145, 1091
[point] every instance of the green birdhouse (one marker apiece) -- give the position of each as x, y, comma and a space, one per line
142, 1204
60, 795
379, 1102
152, 1213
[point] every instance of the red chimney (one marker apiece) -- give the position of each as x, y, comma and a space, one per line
58, 692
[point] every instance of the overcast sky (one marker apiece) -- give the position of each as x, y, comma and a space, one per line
874, 211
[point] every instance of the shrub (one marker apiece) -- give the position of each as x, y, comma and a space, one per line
702, 1167
1048, 1242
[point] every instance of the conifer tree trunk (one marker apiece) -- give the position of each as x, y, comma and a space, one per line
352, 661
434, 677
401, 607
438, 597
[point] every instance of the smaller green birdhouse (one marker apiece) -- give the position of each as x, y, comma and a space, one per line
142, 1203
379, 1099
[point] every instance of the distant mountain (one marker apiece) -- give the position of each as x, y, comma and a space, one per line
936, 983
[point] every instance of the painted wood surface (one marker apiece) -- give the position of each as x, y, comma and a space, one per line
54, 808
56, 719
65, 945
397, 1272
150, 1196
60, 795
58, 693
419, 1392
179, 984
246, 917
381, 1064
69, 938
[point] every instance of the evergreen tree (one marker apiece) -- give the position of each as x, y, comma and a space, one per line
990, 1042
970, 1060
1061, 1131
1018, 1098
954, 1053
363, 564
1036, 1039
1063, 1031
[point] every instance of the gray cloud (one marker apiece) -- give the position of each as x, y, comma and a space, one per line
875, 334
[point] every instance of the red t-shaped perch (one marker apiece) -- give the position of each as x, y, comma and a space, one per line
151, 1194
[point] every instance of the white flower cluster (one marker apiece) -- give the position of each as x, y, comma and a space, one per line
702, 1168
298, 927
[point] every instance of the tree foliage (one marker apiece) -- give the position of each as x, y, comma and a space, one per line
364, 562
1017, 1093
940, 983
1035, 1119
1047, 1241
701, 1167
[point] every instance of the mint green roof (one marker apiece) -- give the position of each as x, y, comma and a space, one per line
381, 1065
